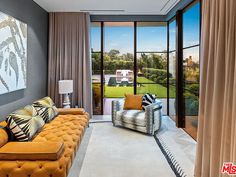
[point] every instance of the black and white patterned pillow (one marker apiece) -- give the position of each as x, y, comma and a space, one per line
147, 100
46, 108
24, 123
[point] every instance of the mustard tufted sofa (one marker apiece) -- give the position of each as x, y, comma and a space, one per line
68, 127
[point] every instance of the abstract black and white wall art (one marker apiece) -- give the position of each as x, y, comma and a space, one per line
13, 54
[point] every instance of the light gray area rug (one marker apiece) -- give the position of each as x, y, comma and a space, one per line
178, 147
113, 145
118, 152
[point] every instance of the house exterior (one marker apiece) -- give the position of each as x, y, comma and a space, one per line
124, 76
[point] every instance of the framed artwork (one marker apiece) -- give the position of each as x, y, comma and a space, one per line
13, 54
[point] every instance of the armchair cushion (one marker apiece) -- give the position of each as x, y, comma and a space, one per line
31, 151
136, 117
133, 102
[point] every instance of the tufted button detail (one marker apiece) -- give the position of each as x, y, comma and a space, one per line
68, 129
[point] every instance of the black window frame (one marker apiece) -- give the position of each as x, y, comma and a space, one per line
180, 116
135, 58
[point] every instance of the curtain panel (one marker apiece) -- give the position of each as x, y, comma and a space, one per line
69, 56
217, 112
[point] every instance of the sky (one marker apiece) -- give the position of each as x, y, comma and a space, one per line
149, 38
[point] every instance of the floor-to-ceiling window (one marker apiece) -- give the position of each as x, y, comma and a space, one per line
172, 68
183, 66
127, 58
118, 61
152, 60
191, 42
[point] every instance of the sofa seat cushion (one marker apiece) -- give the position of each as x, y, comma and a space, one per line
66, 128
136, 117
31, 151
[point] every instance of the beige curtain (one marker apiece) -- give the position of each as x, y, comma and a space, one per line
69, 56
217, 114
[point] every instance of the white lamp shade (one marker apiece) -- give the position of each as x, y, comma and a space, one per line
65, 86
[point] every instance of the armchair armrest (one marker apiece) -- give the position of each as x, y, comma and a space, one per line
74, 111
117, 105
31, 151
155, 106
153, 114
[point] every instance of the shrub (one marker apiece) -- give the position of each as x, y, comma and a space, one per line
156, 75
112, 82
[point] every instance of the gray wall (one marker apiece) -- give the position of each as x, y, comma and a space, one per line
37, 20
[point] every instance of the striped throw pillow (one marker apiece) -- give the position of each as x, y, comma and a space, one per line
147, 100
24, 123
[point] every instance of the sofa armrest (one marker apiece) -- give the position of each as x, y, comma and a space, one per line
74, 111
117, 105
31, 151
153, 114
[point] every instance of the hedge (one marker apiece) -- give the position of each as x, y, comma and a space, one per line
156, 75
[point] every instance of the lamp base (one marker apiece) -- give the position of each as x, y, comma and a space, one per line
66, 101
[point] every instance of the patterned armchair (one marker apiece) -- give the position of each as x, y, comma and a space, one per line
148, 121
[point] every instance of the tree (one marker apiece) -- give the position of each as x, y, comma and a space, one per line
114, 54
96, 61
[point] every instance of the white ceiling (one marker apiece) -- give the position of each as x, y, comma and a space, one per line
110, 7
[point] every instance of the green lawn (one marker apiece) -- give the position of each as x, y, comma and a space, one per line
157, 89
144, 80
117, 92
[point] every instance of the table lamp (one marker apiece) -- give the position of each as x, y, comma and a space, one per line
65, 88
